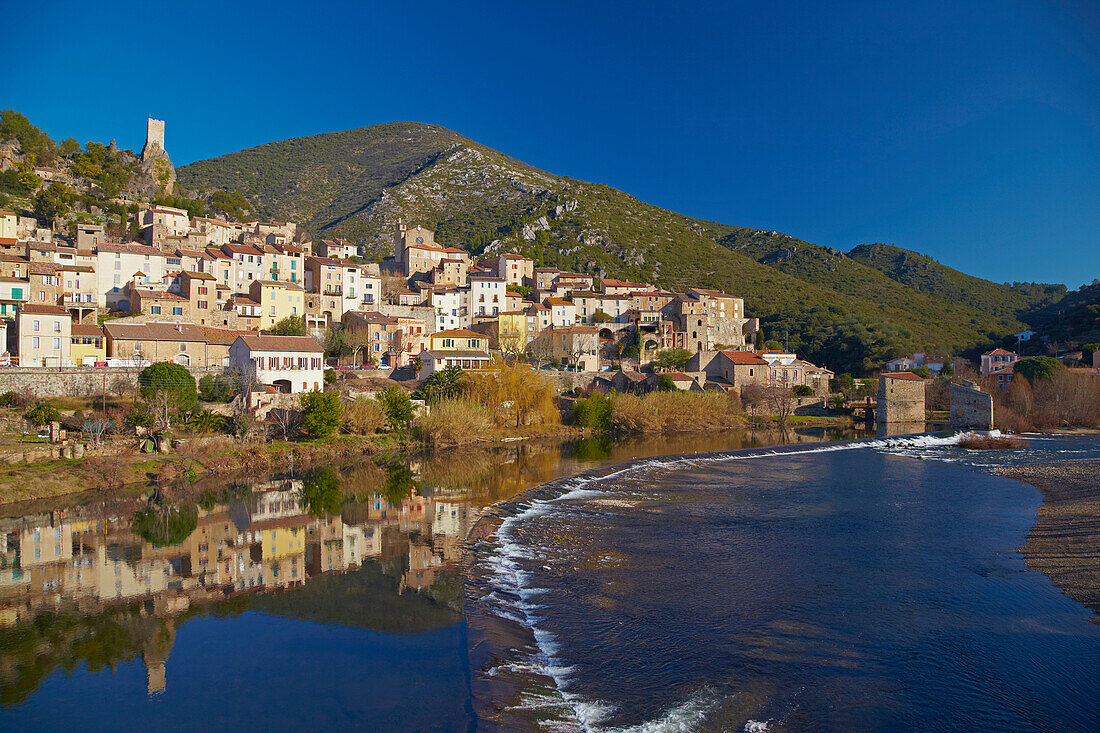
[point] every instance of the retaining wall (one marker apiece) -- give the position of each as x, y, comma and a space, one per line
50, 382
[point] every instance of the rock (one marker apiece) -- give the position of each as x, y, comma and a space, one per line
543, 223
528, 232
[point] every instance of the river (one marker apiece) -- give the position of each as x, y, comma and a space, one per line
869, 587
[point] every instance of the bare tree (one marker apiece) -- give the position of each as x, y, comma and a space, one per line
780, 402
287, 420
95, 429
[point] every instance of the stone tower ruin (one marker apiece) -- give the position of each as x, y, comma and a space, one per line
154, 137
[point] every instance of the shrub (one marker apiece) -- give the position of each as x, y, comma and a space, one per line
396, 406
364, 416
172, 379
331, 376
9, 399
803, 390
455, 421
42, 414
320, 413
215, 389
593, 412
1037, 367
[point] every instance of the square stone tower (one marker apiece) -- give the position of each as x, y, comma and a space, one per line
154, 136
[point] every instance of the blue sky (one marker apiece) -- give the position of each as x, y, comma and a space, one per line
969, 131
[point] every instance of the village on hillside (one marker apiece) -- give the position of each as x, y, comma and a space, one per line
262, 303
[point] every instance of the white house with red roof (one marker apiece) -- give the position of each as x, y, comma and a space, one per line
286, 363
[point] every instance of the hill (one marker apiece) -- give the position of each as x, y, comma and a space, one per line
923, 273
841, 310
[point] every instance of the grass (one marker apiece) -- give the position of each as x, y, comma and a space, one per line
674, 412
979, 441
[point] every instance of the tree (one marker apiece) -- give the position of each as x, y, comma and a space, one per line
53, 201
665, 383
442, 385
165, 525
289, 326
287, 421
35, 144
672, 359
396, 406
515, 394
417, 364
320, 413
215, 389
42, 414
803, 390
207, 421
922, 371
1037, 367
336, 343
780, 403
70, 147
355, 340
173, 380
600, 316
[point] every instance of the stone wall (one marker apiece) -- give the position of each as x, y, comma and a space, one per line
900, 400
47, 382
971, 407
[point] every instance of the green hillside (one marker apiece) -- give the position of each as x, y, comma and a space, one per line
843, 311
923, 273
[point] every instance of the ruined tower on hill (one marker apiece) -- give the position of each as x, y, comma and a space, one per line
157, 172
154, 137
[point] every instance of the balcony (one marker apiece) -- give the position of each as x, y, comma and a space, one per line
334, 290
80, 300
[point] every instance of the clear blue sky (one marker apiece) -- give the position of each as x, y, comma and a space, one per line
969, 131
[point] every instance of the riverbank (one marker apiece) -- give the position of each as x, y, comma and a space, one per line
1064, 543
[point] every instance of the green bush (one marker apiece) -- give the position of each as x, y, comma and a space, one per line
396, 406
171, 378
320, 413
803, 390
1037, 367
42, 414
593, 412
9, 399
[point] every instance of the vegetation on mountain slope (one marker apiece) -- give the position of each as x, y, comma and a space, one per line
848, 312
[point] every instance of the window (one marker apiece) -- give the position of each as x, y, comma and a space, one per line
34, 342
137, 347
272, 310
177, 311
117, 280
183, 347
203, 304
448, 343
37, 326
155, 310
118, 265
56, 344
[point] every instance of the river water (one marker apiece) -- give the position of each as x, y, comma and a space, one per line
869, 587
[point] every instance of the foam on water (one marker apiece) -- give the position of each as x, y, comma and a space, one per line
509, 581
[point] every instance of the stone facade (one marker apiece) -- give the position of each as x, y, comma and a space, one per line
971, 407
52, 382
900, 398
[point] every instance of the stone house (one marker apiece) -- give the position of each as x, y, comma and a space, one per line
182, 343
339, 249
487, 295
159, 303
900, 398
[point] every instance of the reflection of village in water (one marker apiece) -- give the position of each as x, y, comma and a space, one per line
86, 585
